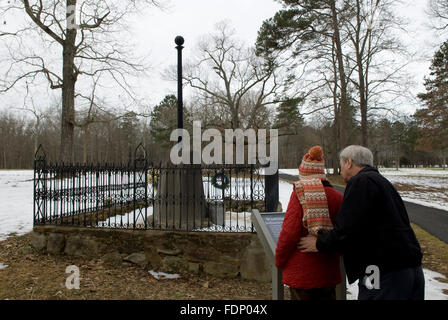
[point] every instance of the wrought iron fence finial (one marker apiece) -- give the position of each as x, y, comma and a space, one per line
40, 153
139, 150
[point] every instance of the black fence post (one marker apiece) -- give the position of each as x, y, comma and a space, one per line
40, 186
252, 169
271, 192
140, 180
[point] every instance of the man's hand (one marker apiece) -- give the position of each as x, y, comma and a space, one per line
308, 244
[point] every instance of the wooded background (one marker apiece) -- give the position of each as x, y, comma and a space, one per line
328, 72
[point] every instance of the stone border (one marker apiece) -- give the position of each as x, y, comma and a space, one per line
224, 254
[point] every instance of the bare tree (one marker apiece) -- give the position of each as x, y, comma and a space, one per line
370, 27
86, 32
438, 9
39, 117
229, 77
93, 112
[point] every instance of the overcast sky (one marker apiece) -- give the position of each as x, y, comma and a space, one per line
194, 18
154, 31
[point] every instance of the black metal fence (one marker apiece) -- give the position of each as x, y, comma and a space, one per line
144, 195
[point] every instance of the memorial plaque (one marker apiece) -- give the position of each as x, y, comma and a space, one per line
274, 223
268, 226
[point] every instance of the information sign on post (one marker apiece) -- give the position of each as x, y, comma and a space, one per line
268, 226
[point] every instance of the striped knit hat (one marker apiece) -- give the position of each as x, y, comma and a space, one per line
313, 164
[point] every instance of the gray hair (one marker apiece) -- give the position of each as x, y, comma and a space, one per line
361, 156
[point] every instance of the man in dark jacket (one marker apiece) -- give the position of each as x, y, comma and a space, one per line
373, 233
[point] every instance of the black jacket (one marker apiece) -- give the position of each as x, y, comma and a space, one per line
372, 228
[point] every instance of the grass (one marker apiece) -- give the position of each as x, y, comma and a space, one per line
435, 252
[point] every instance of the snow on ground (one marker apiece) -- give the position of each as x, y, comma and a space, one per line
16, 202
16, 196
16, 208
163, 275
240, 221
295, 171
426, 172
3, 266
428, 187
284, 189
424, 186
433, 287
127, 218
428, 202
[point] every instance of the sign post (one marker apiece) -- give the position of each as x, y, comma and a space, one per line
268, 226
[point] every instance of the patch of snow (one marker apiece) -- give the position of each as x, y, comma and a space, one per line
425, 172
431, 184
433, 287
16, 202
284, 193
418, 181
163, 275
428, 189
295, 171
3, 266
127, 218
16, 196
242, 220
237, 221
443, 206
292, 172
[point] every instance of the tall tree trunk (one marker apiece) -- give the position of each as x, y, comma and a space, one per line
443, 160
336, 129
36, 135
235, 117
363, 107
344, 119
85, 141
68, 92
361, 78
362, 101
337, 115
335, 145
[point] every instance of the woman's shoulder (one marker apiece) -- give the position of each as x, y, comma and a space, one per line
331, 191
294, 206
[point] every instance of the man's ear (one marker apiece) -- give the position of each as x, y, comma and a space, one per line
349, 163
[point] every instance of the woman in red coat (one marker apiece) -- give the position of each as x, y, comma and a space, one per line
312, 209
